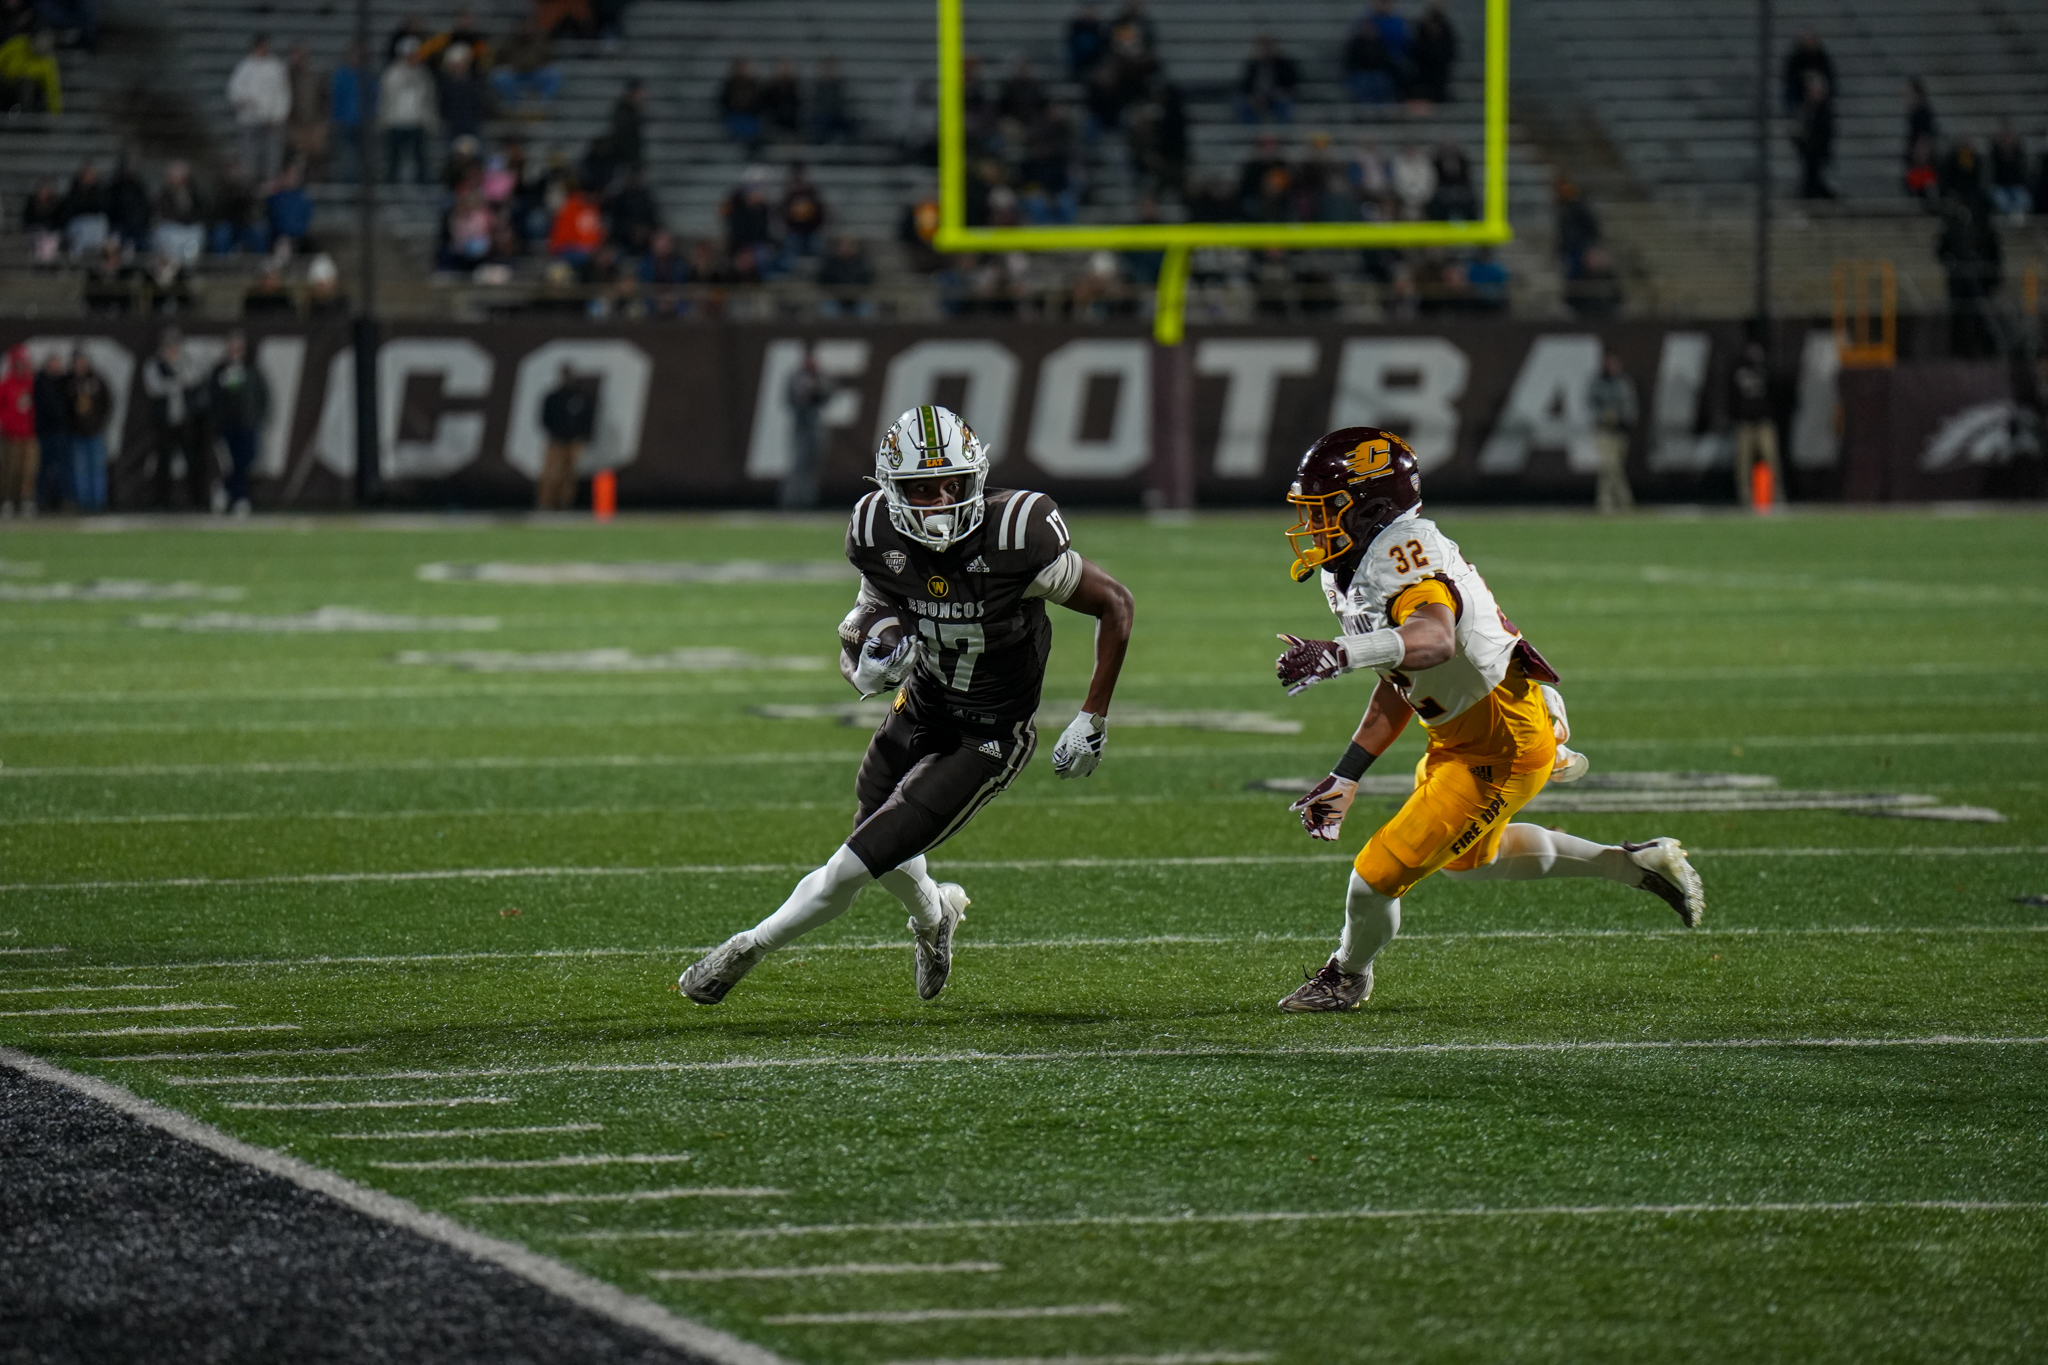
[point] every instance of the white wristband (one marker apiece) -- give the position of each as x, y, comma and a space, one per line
1381, 649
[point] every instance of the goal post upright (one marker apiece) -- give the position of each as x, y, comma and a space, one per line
1172, 440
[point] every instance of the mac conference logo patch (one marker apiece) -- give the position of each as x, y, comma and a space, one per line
896, 560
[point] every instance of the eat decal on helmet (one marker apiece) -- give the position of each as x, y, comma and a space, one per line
1350, 486
931, 443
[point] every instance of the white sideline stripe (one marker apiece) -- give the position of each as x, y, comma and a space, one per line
798, 1272
25, 951
425, 1133
137, 1031
964, 865
316, 1105
541, 1271
1111, 1054
534, 1164
1064, 1310
51, 990
1178, 1357
1146, 1220
630, 1197
225, 1056
108, 1009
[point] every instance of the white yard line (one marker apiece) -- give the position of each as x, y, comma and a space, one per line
535, 1164
801, 1272
630, 1197
109, 1009
446, 1102
423, 1134
1065, 1310
140, 1032
548, 1274
1146, 1220
226, 1056
978, 1058
1174, 1358
1042, 944
962, 865
26, 951
52, 990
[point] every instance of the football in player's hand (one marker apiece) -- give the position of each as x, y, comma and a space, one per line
878, 627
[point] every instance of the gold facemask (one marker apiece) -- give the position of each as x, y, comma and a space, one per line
1321, 527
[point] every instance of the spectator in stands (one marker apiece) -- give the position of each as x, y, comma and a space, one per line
565, 18
53, 433
260, 90
236, 225
464, 33
916, 120
28, 67
1973, 259
1022, 99
1131, 29
1923, 177
803, 216
1370, 72
916, 230
305, 131
578, 228
525, 73
268, 296
405, 109
1814, 137
1087, 41
88, 403
568, 414
1267, 85
42, 219
1158, 134
462, 95
167, 282
18, 454
1413, 172
86, 222
110, 281
1807, 58
1616, 413
1433, 51
1577, 230
1393, 30
180, 216
1373, 182
628, 127
324, 298
1263, 183
740, 103
1456, 200
352, 97
1756, 430
831, 105
1596, 290
2011, 195
288, 210
238, 403
632, 213
782, 101
1488, 280
1920, 120
749, 221
128, 207
664, 263
845, 267
412, 28
466, 231
177, 402
809, 390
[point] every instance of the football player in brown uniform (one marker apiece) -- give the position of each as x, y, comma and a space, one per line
951, 618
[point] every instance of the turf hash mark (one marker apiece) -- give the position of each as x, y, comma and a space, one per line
804, 1272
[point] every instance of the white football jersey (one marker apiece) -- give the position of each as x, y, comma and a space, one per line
1408, 551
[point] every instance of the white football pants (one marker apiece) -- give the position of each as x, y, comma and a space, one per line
825, 894
1527, 853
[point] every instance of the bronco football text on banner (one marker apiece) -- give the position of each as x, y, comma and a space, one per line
1497, 412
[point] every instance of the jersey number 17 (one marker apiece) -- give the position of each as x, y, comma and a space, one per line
953, 644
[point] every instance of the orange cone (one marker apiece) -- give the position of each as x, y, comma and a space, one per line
604, 494
1763, 490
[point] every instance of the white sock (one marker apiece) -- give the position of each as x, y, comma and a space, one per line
910, 883
1370, 923
1530, 853
819, 898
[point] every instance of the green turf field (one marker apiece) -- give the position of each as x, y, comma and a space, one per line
325, 900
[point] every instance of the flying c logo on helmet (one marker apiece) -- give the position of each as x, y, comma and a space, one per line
1368, 458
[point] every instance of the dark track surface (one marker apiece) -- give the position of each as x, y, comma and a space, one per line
118, 1242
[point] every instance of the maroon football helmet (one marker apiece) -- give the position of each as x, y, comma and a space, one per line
1351, 484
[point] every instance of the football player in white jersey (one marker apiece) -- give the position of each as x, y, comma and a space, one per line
1416, 614
954, 578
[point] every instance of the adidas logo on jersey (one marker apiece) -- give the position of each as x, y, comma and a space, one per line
978, 565
991, 748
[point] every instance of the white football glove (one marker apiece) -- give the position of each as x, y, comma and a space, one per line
1080, 746
1323, 808
882, 669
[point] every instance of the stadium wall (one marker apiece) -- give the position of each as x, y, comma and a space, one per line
692, 415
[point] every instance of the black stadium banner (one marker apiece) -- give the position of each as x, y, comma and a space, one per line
697, 415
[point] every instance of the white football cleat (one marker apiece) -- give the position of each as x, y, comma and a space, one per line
1668, 876
935, 944
719, 970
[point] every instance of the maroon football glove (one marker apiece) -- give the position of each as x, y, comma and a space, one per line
1308, 662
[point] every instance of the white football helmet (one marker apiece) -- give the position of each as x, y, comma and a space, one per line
932, 442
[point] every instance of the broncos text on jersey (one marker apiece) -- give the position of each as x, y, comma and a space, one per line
977, 607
